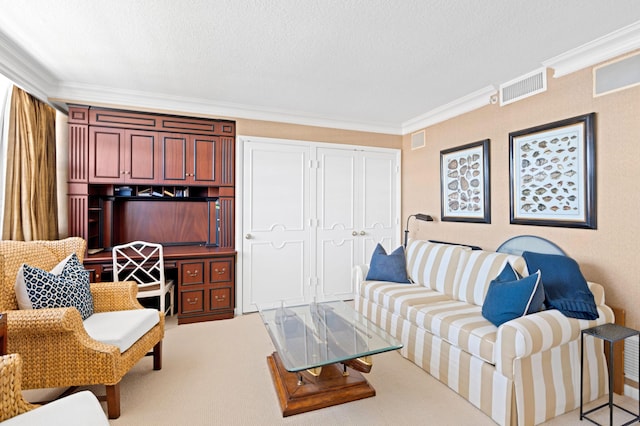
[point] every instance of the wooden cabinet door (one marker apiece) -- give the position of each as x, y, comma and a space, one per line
106, 155
141, 164
221, 279
174, 156
189, 159
204, 159
206, 289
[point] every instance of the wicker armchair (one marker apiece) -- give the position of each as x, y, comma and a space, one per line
55, 348
11, 401
81, 408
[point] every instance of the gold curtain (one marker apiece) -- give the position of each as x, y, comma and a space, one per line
31, 209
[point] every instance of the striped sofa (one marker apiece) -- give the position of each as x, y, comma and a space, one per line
524, 372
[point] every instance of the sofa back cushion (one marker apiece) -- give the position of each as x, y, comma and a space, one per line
435, 265
479, 269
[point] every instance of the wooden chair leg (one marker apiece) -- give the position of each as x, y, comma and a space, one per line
113, 401
157, 356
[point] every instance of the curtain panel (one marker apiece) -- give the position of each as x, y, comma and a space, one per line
31, 211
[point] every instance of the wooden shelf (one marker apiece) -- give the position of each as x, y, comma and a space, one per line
185, 164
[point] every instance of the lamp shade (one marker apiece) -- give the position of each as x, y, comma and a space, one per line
424, 217
418, 216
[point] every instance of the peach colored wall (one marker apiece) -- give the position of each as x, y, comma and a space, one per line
270, 129
609, 255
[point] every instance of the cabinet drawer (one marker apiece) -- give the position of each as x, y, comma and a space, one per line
192, 301
220, 298
220, 270
192, 273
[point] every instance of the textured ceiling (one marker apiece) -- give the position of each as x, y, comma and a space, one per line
365, 62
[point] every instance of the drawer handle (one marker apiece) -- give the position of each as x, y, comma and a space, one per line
220, 272
220, 298
195, 300
192, 274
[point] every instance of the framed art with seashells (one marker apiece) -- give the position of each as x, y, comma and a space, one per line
464, 183
552, 174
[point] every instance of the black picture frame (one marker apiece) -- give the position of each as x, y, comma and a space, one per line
465, 190
553, 174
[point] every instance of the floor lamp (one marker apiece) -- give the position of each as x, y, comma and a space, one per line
418, 216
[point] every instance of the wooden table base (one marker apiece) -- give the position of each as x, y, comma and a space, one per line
331, 387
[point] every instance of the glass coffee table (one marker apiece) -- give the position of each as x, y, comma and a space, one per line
322, 349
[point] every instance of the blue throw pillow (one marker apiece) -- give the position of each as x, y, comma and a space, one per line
508, 274
68, 289
388, 267
564, 285
507, 300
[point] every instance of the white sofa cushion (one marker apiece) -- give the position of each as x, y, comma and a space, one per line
460, 324
435, 265
121, 328
399, 299
479, 268
78, 409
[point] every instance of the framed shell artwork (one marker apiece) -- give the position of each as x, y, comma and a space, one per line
552, 174
464, 183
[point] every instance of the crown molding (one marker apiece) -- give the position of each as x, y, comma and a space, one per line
24, 70
462, 105
611, 45
27, 72
73, 93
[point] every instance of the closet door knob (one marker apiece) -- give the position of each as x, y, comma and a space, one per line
362, 233
248, 236
354, 233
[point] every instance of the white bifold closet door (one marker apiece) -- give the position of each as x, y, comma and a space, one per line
356, 210
310, 212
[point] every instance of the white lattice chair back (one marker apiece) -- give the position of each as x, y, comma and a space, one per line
143, 262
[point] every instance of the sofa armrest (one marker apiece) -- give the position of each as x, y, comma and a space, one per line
524, 336
115, 296
28, 329
359, 274
58, 336
34, 322
598, 292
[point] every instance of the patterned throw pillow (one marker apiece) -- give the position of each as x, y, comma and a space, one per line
69, 288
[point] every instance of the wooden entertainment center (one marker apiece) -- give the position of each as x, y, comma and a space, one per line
159, 178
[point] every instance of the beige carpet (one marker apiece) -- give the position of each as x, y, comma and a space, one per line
215, 373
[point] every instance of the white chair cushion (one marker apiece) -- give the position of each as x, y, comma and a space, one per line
121, 328
78, 409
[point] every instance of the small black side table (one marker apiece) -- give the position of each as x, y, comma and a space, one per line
610, 333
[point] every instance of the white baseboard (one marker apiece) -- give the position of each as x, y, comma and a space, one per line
631, 392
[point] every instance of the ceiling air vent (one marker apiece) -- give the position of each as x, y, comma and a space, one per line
417, 140
523, 87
